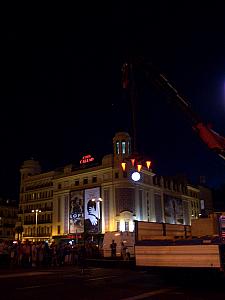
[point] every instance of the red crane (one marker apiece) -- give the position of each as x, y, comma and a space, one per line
212, 139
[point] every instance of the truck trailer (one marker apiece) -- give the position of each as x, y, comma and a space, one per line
180, 248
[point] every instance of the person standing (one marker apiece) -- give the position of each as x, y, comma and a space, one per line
123, 251
113, 249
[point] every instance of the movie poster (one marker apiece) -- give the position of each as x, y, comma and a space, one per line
173, 210
92, 210
76, 216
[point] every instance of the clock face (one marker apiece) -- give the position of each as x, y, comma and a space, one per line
135, 176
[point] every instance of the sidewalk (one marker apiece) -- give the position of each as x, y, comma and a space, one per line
91, 262
111, 263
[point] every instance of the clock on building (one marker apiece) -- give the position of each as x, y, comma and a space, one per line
135, 176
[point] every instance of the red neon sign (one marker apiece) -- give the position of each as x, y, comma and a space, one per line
86, 159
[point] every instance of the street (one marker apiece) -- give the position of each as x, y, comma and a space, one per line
108, 283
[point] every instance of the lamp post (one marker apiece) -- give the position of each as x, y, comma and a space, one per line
36, 211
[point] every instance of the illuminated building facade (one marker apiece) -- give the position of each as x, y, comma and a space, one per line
100, 197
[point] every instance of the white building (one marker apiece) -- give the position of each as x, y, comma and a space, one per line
109, 198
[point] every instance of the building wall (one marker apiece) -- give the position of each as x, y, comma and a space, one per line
36, 193
152, 198
8, 218
206, 200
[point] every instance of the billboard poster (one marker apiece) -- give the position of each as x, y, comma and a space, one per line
76, 212
173, 210
92, 210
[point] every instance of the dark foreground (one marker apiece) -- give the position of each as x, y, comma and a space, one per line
109, 283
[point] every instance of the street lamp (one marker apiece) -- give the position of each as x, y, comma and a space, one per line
36, 211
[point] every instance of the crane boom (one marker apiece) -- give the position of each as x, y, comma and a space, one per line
212, 139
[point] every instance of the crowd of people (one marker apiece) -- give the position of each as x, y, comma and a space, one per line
39, 254
43, 254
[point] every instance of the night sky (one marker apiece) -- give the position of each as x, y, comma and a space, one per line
61, 94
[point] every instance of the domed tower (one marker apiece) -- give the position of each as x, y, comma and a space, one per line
30, 167
121, 146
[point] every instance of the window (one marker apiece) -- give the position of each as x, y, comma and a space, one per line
58, 227
126, 225
59, 186
76, 182
118, 226
128, 147
116, 175
117, 147
94, 179
85, 181
123, 147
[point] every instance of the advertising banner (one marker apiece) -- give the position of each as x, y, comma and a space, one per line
76, 212
92, 210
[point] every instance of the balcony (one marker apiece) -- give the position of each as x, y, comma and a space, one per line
29, 222
45, 222
32, 222
29, 211
38, 235
8, 225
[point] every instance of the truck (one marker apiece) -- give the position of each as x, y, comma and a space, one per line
201, 245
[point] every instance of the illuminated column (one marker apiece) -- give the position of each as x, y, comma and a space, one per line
136, 199
112, 210
152, 206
